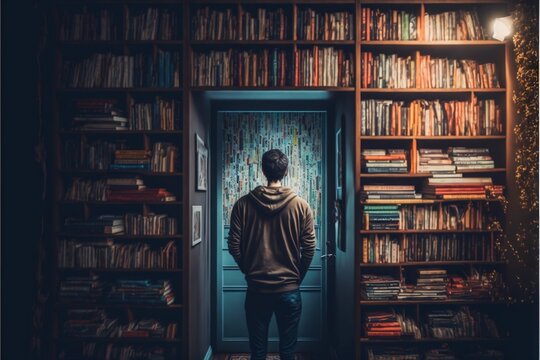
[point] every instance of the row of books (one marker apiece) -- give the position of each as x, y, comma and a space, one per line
453, 25
89, 24
384, 161
430, 284
115, 189
439, 324
96, 323
396, 249
317, 25
385, 24
424, 72
104, 351
128, 224
264, 67
104, 155
161, 114
265, 24
152, 24
442, 216
439, 353
116, 255
430, 117
323, 66
213, 24
107, 70
91, 289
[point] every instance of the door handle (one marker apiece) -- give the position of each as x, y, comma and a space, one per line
327, 256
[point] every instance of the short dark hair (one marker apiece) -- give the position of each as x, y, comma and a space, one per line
274, 165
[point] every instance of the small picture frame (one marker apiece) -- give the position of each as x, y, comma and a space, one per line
196, 224
201, 164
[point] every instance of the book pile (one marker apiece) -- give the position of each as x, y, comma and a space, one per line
456, 188
87, 190
131, 159
233, 67
471, 158
430, 285
133, 189
315, 25
323, 66
450, 323
440, 354
387, 71
152, 24
381, 217
81, 288
393, 353
150, 224
103, 224
164, 157
111, 255
148, 328
382, 324
88, 24
388, 192
97, 155
430, 117
89, 322
214, 24
265, 25
141, 292
384, 161
378, 287
162, 114
379, 24
453, 25
476, 286
435, 161
98, 114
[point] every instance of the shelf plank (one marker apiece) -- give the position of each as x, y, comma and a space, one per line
122, 89
433, 91
127, 271
120, 340
439, 137
435, 43
429, 340
121, 132
277, 88
366, 232
121, 203
430, 302
120, 172
98, 43
421, 201
434, 263
120, 237
427, 175
76, 305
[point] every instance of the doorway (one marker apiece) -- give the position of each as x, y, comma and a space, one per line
241, 137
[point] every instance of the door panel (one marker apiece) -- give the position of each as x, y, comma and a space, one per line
243, 137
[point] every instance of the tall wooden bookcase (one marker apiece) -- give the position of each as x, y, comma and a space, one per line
487, 50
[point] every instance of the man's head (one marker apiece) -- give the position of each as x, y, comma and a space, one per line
274, 165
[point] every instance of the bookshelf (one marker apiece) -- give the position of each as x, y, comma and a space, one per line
288, 47
144, 43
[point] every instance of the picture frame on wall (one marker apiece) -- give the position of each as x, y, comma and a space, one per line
201, 164
197, 224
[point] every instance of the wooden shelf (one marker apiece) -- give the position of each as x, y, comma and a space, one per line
121, 340
121, 203
430, 91
120, 172
121, 132
423, 201
99, 43
430, 302
122, 89
435, 43
76, 305
428, 175
120, 237
430, 340
434, 263
126, 271
423, 137
277, 88
365, 232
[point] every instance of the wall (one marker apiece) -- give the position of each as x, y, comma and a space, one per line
199, 256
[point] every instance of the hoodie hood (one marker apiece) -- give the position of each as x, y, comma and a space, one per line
271, 200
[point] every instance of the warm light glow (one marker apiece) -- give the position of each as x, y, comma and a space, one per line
502, 27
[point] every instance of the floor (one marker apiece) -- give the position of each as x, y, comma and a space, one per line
246, 357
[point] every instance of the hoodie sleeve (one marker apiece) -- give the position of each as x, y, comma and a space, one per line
307, 242
235, 235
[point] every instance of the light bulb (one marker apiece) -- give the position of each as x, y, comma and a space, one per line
502, 27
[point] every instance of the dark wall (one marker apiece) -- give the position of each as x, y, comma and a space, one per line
21, 176
199, 256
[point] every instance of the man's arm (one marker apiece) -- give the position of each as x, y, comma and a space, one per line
307, 243
235, 234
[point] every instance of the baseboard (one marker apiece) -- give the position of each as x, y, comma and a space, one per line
208, 355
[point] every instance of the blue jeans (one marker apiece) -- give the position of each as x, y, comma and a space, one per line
259, 309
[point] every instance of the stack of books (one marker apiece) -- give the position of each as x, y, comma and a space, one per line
434, 161
103, 224
456, 188
451, 323
98, 114
471, 158
378, 287
147, 328
141, 292
126, 189
89, 322
381, 217
494, 191
382, 324
131, 159
384, 161
440, 354
372, 193
430, 285
81, 288
392, 353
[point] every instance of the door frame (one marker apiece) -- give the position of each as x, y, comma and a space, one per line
326, 222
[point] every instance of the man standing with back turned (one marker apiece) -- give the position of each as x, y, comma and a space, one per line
273, 241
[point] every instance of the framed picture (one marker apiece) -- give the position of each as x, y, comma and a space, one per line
202, 164
196, 224
339, 205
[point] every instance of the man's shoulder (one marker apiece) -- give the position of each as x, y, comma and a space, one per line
243, 200
298, 201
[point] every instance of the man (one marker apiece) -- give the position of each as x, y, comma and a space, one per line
273, 241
